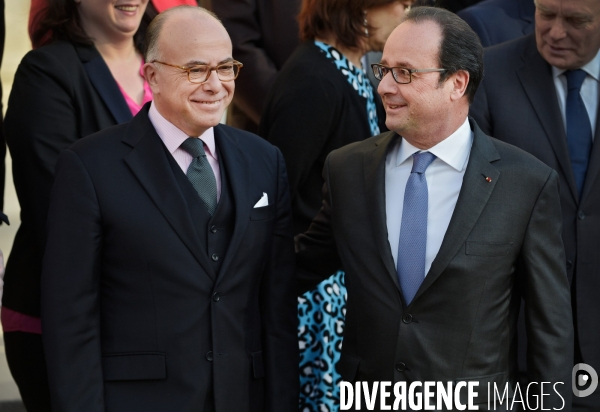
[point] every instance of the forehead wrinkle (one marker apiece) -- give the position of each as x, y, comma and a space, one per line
398, 63
543, 8
563, 9
403, 64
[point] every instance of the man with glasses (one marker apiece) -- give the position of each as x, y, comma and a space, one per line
542, 93
441, 230
168, 280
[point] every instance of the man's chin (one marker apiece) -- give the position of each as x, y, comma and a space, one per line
209, 118
561, 60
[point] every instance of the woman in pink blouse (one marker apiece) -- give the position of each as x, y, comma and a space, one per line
84, 76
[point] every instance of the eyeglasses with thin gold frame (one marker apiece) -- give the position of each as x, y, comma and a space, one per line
401, 75
226, 72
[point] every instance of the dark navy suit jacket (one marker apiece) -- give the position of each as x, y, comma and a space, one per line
135, 316
497, 21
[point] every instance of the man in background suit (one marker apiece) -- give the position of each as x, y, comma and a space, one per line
442, 229
541, 94
264, 34
497, 21
168, 279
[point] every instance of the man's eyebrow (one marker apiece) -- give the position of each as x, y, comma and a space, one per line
397, 64
200, 62
581, 16
543, 9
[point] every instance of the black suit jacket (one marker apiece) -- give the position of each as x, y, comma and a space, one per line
61, 93
461, 325
497, 21
517, 103
134, 316
312, 110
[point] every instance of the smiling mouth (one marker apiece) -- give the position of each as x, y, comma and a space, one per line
127, 8
395, 106
557, 49
210, 103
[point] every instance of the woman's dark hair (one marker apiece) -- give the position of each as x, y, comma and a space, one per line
344, 19
59, 20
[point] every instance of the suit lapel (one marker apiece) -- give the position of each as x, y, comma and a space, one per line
594, 166
473, 197
104, 83
148, 162
536, 77
374, 171
238, 173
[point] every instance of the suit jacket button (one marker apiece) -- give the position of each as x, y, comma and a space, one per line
407, 318
209, 356
213, 229
214, 257
216, 297
569, 264
581, 215
401, 367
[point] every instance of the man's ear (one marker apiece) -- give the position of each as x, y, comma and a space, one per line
150, 73
460, 81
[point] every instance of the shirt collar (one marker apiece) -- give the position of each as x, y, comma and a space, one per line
592, 68
173, 137
454, 150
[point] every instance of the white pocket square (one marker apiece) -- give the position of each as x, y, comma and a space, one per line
264, 201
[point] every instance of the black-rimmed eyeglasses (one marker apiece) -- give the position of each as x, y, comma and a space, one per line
201, 72
400, 74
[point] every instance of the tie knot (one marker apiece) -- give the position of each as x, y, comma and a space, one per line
575, 79
194, 146
421, 162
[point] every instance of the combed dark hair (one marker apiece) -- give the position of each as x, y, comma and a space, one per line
154, 28
460, 48
59, 20
344, 19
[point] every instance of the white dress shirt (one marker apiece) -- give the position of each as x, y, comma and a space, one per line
444, 180
173, 137
589, 90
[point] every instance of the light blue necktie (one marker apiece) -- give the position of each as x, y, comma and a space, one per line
579, 128
413, 232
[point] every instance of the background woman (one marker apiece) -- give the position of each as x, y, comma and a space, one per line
323, 100
85, 78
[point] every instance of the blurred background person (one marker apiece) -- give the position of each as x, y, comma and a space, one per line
497, 21
37, 12
322, 100
264, 34
84, 77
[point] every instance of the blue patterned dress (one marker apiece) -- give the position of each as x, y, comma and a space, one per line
322, 310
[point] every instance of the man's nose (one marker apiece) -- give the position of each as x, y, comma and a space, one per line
387, 85
213, 82
558, 29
